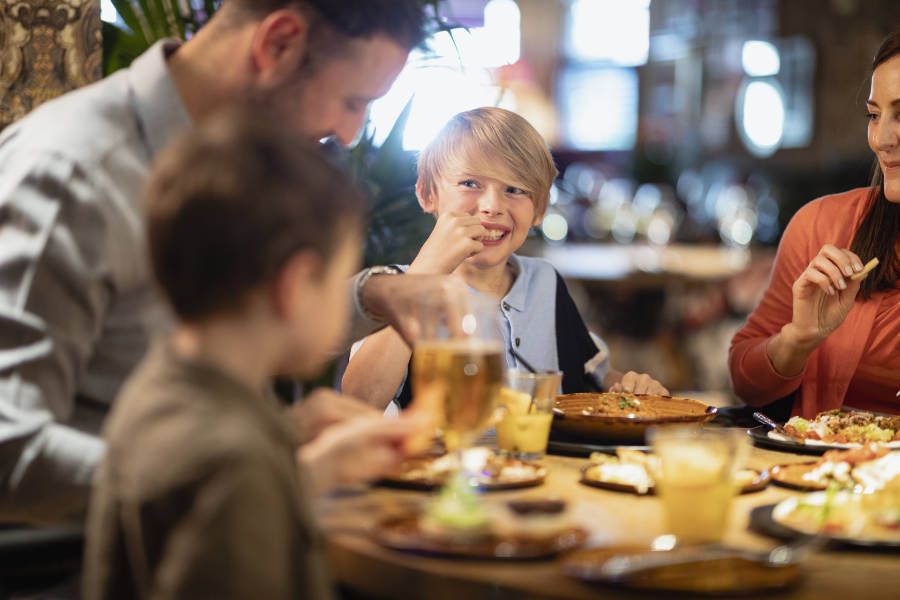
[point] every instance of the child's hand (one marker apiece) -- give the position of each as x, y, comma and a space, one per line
455, 237
323, 408
639, 383
357, 450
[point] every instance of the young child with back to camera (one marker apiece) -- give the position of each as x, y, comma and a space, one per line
203, 492
486, 178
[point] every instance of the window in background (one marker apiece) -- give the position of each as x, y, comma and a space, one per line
598, 86
611, 31
773, 108
452, 75
599, 107
108, 11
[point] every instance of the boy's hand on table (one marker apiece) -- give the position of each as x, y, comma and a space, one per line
638, 383
357, 450
404, 300
455, 237
323, 408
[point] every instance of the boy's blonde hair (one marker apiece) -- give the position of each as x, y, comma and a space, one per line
491, 142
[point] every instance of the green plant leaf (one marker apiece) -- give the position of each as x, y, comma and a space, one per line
393, 167
120, 47
126, 12
156, 15
175, 19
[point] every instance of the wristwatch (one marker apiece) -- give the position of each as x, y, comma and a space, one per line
361, 283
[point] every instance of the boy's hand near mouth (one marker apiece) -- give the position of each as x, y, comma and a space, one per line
455, 237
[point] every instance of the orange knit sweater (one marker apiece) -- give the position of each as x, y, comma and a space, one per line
824, 381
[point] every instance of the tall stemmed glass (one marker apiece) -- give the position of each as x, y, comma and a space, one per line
457, 369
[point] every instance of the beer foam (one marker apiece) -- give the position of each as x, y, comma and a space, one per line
464, 344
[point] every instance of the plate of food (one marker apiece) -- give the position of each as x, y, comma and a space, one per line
719, 575
870, 520
497, 473
622, 416
632, 471
833, 429
460, 523
866, 467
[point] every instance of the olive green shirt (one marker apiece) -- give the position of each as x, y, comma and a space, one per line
199, 494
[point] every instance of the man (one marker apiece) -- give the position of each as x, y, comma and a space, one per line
76, 303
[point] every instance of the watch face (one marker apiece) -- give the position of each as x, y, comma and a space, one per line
386, 270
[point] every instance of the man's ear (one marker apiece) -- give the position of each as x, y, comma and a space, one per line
426, 200
279, 46
292, 287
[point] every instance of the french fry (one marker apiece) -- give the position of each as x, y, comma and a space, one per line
869, 266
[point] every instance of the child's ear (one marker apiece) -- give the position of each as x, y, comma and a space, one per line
279, 46
294, 284
426, 200
538, 219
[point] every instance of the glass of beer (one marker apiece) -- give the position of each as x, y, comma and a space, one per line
457, 370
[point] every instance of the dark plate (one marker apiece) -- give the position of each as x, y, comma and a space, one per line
760, 482
403, 533
572, 446
398, 480
723, 576
762, 521
760, 437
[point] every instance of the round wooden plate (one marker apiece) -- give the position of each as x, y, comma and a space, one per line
708, 577
791, 476
402, 479
758, 483
403, 533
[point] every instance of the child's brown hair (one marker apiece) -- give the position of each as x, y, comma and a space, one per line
491, 142
231, 201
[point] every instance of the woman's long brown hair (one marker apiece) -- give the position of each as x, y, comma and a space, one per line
878, 231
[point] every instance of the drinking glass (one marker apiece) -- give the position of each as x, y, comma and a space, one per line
526, 411
696, 480
457, 369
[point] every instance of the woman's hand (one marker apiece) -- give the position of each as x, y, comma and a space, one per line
455, 237
824, 294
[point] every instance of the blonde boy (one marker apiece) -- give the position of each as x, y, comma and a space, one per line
487, 178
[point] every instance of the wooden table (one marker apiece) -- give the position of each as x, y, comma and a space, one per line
611, 518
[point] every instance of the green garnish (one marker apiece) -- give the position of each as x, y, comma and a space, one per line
625, 401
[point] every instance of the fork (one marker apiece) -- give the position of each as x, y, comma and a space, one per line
775, 426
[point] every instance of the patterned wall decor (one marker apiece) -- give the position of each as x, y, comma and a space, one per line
47, 47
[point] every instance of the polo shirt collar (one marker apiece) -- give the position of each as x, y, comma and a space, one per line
160, 111
517, 297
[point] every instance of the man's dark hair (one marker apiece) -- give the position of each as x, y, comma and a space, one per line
231, 201
401, 20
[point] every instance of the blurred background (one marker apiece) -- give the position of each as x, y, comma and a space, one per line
686, 133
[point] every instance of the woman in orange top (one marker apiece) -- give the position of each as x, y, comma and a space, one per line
832, 339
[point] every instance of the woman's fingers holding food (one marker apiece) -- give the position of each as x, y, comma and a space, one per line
846, 261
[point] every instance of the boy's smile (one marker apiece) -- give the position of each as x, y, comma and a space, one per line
495, 233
